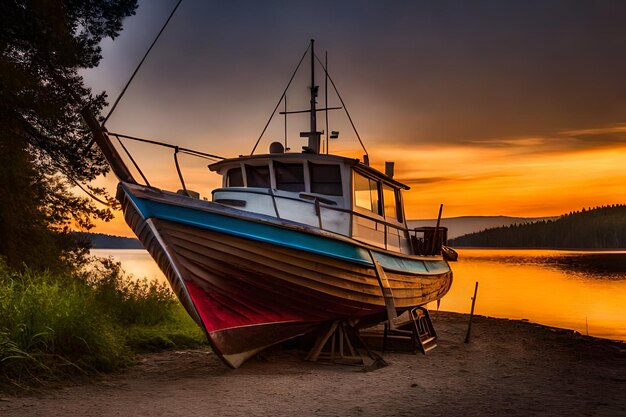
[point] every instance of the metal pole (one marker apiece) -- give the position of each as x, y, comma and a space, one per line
180, 174
435, 236
326, 99
313, 111
469, 327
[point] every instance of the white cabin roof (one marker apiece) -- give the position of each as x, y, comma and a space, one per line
223, 165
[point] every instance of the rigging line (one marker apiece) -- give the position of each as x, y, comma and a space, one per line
208, 158
343, 104
65, 173
79, 185
280, 100
90, 194
133, 160
167, 145
140, 62
67, 176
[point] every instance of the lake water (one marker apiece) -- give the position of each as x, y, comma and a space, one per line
580, 290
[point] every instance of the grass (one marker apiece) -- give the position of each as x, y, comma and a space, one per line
53, 325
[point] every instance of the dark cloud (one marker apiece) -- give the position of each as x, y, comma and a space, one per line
428, 180
419, 72
596, 141
415, 181
560, 142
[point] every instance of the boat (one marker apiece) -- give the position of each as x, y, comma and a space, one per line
290, 242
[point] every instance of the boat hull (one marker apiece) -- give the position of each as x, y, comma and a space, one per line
274, 282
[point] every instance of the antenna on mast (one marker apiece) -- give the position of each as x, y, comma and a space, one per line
314, 136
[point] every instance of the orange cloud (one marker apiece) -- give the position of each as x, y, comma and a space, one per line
502, 182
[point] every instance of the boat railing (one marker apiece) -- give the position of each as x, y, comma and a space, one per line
175, 148
428, 240
320, 204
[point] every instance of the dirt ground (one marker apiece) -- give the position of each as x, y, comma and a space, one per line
509, 368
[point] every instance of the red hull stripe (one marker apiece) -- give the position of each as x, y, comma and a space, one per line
212, 309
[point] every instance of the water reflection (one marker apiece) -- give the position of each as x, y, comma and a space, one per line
590, 264
557, 288
544, 286
136, 262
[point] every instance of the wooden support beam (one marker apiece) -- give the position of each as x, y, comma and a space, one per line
385, 288
321, 342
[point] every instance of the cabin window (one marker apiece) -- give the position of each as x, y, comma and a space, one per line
366, 193
392, 206
234, 178
289, 177
258, 176
325, 179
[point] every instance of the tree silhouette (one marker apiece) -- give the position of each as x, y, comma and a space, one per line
600, 227
44, 145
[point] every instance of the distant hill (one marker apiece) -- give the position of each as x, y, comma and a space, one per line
102, 241
596, 228
458, 226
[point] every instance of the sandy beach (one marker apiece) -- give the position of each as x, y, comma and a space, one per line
508, 368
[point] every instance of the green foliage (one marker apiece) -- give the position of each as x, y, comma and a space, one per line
129, 300
594, 228
55, 323
178, 331
45, 148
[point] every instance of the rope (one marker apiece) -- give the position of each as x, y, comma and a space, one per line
90, 194
280, 100
141, 62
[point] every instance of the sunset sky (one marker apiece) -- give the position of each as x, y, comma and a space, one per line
489, 107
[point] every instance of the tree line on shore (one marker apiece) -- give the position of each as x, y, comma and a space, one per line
602, 227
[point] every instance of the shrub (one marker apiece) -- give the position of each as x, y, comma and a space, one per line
57, 323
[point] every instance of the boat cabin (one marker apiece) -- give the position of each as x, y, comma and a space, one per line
328, 192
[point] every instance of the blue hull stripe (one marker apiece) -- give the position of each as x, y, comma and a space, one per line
252, 230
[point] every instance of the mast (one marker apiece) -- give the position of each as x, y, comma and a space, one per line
326, 97
313, 89
313, 135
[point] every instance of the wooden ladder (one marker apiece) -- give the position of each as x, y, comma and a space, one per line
424, 333
412, 331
